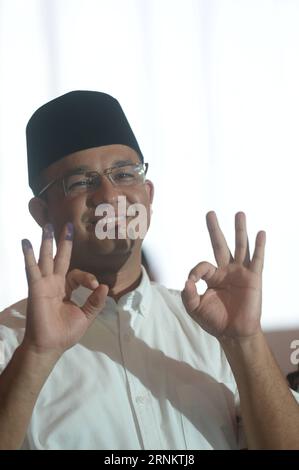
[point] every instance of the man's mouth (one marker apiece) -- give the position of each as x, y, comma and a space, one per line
107, 220
106, 223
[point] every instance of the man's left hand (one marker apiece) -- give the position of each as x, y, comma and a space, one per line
231, 305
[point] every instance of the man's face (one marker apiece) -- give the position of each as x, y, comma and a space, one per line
79, 208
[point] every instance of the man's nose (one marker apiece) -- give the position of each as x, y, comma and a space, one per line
106, 192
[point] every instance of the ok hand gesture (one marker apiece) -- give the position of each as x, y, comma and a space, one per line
54, 323
231, 305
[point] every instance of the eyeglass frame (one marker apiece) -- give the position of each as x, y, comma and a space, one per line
106, 172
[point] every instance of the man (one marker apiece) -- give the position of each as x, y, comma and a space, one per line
100, 357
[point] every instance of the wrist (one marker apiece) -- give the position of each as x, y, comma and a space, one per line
243, 346
37, 355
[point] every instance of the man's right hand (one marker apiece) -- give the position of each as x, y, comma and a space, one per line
54, 322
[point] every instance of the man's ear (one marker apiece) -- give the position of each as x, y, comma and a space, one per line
150, 189
38, 208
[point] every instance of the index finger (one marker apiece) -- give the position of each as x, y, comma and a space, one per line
64, 250
221, 250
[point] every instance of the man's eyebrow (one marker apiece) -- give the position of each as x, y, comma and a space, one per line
122, 162
77, 170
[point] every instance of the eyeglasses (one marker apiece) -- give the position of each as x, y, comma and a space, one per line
82, 181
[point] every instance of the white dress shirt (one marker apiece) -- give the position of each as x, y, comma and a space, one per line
144, 376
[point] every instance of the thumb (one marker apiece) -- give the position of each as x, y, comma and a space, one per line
95, 302
190, 297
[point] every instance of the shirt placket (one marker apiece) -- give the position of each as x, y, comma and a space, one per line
140, 397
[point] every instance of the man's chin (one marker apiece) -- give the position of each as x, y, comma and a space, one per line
96, 255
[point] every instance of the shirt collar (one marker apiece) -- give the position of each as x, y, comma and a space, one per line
138, 299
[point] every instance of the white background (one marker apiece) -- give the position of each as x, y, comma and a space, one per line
211, 89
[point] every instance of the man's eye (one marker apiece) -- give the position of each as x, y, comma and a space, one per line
80, 184
124, 175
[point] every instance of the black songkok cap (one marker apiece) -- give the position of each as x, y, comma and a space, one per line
75, 121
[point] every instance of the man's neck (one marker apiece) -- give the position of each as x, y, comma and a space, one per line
123, 279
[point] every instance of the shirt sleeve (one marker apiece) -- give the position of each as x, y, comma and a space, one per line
12, 327
241, 437
296, 395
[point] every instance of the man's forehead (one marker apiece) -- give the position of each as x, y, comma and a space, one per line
98, 158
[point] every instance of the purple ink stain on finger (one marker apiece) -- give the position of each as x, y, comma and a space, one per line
48, 232
26, 245
69, 231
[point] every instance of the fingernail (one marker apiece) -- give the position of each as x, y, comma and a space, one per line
192, 278
48, 232
26, 245
94, 284
69, 231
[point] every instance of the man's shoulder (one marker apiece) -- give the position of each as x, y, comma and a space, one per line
15, 314
12, 327
170, 300
202, 349
170, 297
166, 291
